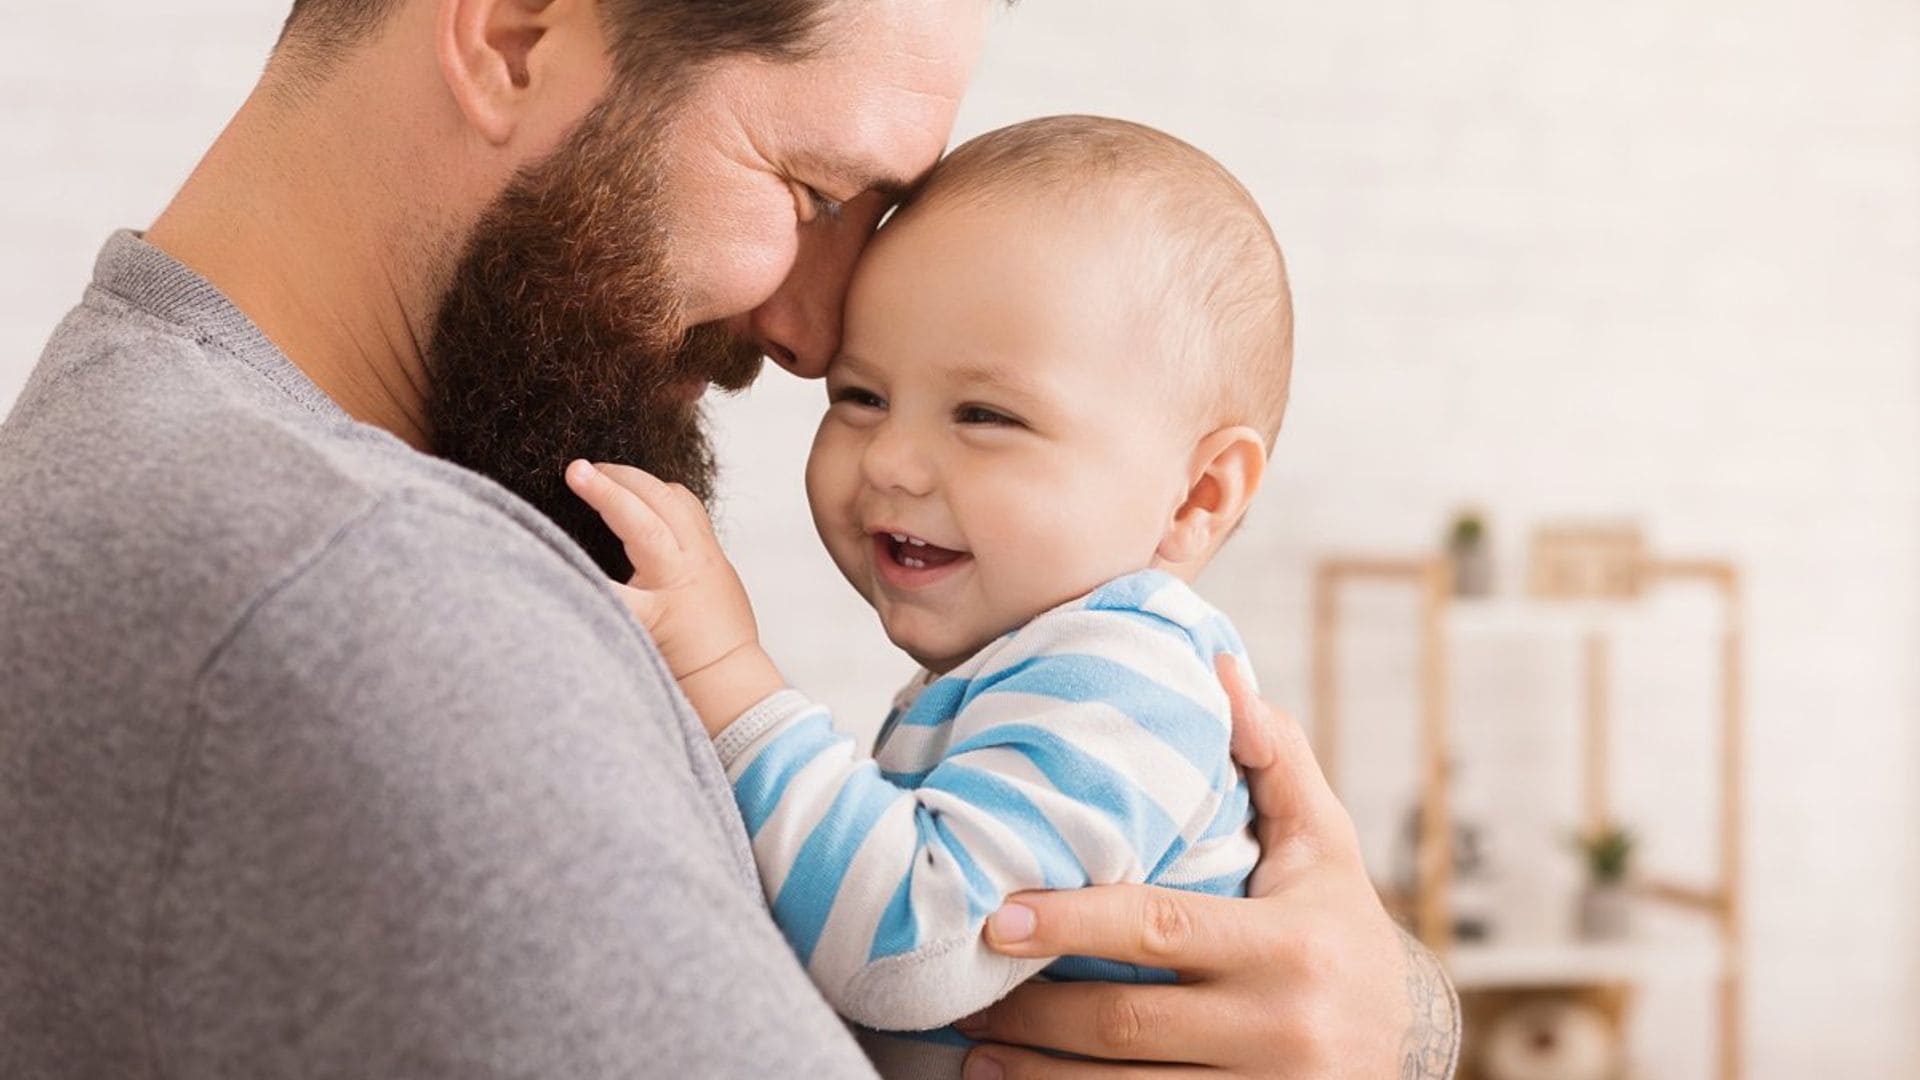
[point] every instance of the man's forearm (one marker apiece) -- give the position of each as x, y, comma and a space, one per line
1431, 1048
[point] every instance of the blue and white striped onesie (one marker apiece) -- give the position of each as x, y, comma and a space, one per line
1087, 747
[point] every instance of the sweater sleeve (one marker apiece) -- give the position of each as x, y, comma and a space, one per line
1092, 752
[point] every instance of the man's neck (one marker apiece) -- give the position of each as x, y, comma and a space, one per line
293, 220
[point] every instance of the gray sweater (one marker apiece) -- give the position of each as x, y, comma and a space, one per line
321, 757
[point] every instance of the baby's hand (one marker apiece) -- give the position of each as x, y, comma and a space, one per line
684, 591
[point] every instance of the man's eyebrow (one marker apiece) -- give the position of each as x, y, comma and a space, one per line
864, 177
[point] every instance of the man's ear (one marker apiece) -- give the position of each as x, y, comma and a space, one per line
1225, 473
492, 59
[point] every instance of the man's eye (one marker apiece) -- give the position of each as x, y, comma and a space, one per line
853, 395
821, 208
981, 415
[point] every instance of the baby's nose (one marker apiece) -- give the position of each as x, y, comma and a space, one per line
894, 461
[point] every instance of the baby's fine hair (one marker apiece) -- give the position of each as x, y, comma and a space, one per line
1225, 310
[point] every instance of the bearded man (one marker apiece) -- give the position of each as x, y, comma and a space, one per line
325, 749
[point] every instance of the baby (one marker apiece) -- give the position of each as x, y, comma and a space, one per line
1064, 365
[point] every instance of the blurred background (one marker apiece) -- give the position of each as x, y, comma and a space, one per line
1599, 497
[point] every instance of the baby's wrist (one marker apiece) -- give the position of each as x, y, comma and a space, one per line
721, 691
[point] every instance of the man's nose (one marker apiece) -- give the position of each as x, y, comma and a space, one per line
798, 327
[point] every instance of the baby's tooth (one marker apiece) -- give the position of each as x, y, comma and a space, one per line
917, 543
898, 538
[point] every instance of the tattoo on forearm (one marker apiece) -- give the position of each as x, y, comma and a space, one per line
1431, 1049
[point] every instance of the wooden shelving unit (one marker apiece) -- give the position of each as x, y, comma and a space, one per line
1608, 969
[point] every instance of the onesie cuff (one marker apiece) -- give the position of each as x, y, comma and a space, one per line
773, 710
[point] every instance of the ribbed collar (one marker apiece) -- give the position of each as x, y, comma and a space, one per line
161, 286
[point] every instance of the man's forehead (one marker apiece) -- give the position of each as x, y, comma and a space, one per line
941, 37
894, 71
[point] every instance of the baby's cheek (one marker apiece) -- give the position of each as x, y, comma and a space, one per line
815, 475
830, 501
1042, 566
832, 468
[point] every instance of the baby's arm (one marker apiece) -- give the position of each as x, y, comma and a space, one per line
1085, 757
1090, 756
684, 591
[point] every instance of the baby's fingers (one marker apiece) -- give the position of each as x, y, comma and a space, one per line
648, 540
682, 509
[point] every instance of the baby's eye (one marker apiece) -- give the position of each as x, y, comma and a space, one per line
854, 395
982, 415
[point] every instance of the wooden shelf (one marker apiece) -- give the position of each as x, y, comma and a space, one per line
1514, 965
1508, 616
1443, 621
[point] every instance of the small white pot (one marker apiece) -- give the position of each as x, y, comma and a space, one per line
1605, 912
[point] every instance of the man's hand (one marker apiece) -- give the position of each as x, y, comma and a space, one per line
1308, 979
683, 590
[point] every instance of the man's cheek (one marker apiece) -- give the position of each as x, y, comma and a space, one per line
733, 264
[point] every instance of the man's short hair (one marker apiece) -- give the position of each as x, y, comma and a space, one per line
647, 36
1222, 307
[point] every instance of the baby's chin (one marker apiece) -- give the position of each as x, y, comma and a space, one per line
939, 663
939, 658
938, 651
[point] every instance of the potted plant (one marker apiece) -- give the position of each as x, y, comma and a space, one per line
1467, 548
1608, 852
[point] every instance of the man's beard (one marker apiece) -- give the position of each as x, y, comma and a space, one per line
561, 334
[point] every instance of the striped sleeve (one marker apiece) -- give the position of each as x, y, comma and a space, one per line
1094, 750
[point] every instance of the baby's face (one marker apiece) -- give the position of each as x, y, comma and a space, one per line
999, 439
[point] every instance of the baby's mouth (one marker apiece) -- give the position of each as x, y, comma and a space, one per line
913, 553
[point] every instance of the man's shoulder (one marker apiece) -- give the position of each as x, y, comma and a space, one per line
132, 434
153, 456
175, 496
459, 586
417, 633
401, 594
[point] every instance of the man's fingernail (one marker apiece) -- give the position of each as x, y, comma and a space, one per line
971, 1025
982, 1067
1012, 923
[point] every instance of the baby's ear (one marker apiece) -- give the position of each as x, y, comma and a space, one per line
1225, 472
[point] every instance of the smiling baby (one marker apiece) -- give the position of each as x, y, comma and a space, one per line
1065, 363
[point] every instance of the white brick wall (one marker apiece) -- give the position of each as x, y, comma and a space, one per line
109, 105
1648, 258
